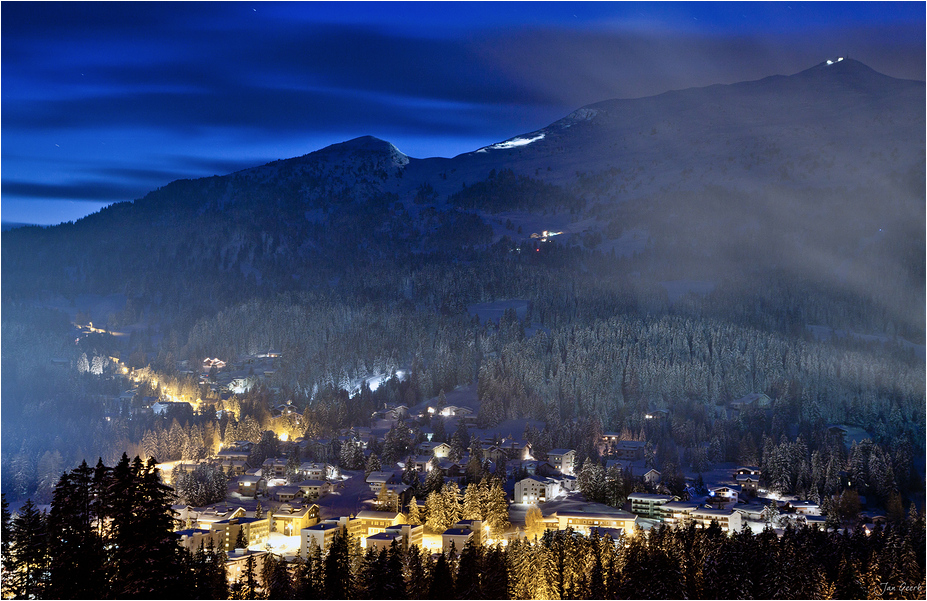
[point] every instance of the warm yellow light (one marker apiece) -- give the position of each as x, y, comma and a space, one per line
284, 437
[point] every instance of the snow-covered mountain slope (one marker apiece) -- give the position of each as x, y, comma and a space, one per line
839, 124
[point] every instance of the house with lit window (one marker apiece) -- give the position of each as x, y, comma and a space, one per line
677, 513
236, 564
256, 531
250, 486
436, 449
534, 489
192, 538
368, 522
376, 480
290, 519
313, 489
647, 505
423, 463
285, 494
316, 471
562, 460
728, 519
724, 494
322, 533
595, 515
404, 534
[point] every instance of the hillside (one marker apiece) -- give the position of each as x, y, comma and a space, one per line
678, 251
818, 176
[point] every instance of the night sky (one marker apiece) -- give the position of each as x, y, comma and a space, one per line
103, 102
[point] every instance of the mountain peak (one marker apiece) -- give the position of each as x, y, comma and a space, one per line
366, 146
844, 71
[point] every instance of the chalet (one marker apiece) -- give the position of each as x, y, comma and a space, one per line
635, 469
423, 463
748, 470
233, 467
370, 522
657, 414
290, 519
562, 460
815, 521
724, 494
449, 469
376, 480
492, 452
285, 494
313, 489
536, 490
515, 450
274, 467
316, 471
748, 483
436, 449
214, 514
804, 507
648, 505
393, 413
250, 486
532, 468
754, 399
630, 450
751, 511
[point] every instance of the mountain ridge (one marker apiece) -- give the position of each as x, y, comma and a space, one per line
682, 184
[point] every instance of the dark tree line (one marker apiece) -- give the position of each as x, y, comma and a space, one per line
109, 535
70, 553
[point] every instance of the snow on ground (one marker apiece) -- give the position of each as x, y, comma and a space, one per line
513, 143
347, 498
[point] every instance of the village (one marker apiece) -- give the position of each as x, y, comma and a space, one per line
302, 496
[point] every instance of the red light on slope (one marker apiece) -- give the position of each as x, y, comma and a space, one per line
537, 250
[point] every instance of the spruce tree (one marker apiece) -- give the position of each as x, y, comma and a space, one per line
5, 556
28, 553
496, 513
442, 580
469, 570
415, 516
77, 557
417, 583
339, 579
